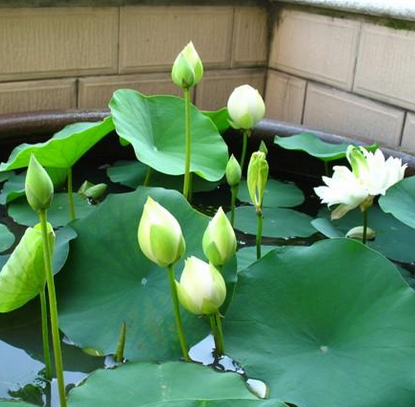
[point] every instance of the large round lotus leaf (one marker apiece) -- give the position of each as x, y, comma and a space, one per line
155, 127
18, 404
314, 146
176, 384
58, 213
393, 239
133, 173
278, 222
276, 194
326, 325
400, 201
247, 255
13, 188
6, 238
220, 118
107, 280
64, 149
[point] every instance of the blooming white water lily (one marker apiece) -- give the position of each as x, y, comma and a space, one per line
202, 289
219, 240
187, 69
159, 235
245, 107
371, 175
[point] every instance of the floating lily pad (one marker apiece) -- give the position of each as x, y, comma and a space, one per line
220, 118
314, 146
277, 194
133, 173
326, 227
278, 222
247, 255
107, 280
155, 126
58, 214
323, 324
393, 239
173, 384
400, 201
5, 175
15, 404
64, 149
60, 254
13, 188
6, 238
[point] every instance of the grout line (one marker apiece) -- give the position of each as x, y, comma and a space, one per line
405, 118
119, 41
359, 41
304, 102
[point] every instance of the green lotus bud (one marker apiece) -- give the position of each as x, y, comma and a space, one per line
202, 289
38, 186
257, 178
233, 172
91, 191
187, 69
219, 240
245, 107
263, 147
159, 235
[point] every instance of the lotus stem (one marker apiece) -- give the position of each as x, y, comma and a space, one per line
53, 308
119, 354
245, 136
147, 179
176, 309
326, 169
260, 219
234, 192
216, 325
45, 334
70, 195
186, 183
364, 226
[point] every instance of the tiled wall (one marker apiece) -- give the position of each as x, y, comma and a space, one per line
62, 58
348, 76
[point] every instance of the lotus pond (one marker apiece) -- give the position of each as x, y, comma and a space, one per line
156, 304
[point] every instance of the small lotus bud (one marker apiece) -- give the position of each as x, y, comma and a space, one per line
219, 240
263, 147
159, 235
187, 69
358, 231
245, 107
257, 178
202, 289
233, 172
38, 186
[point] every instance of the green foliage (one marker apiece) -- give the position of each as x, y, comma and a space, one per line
6, 238
220, 118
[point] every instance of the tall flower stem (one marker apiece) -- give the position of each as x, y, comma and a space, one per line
119, 354
326, 169
246, 134
260, 219
364, 226
216, 325
70, 195
234, 192
147, 179
186, 183
176, 309
53, 308
45, 334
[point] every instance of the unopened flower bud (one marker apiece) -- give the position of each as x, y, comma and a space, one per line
187, 69
245, 107
219, 240
257, 178
233, 172
159, 235
202, 289
38, 186
263, 147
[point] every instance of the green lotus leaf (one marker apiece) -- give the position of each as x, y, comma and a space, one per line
326, 325
64, 149
107, 280
172, 384
314, 146
277, 194
399, 201
155, 126
278, 222
15, 404
247, 255
6, 238
220, 118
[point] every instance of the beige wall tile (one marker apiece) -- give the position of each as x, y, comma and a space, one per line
386, 65
284, 97
48, 42
152, 36
250, 36
96, 92
408, 139
342, 113
215, 88
317, 47
37, 95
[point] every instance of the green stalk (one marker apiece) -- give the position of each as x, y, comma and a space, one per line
259, 232
234, 191
53, 308
186, 183
326, 169
216, 325
45, 334
119, 354
179, 325
147, 179
70, 195
364, 226
246, 134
